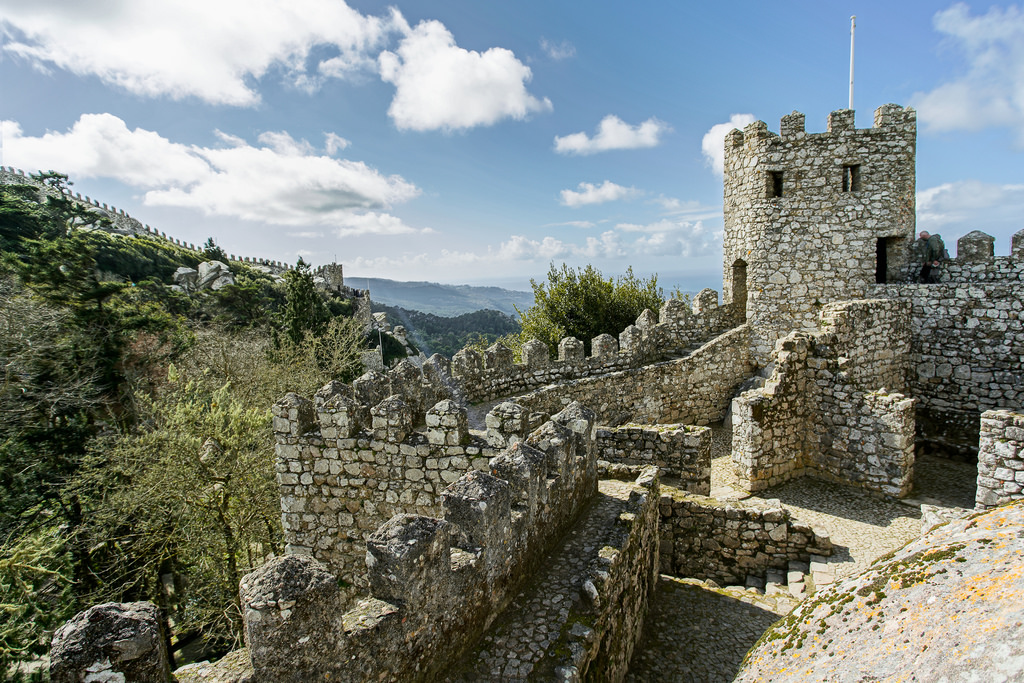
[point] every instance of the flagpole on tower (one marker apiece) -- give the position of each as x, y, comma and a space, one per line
853, 25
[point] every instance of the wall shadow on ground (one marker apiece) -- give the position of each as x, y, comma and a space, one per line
838, 500
696, 634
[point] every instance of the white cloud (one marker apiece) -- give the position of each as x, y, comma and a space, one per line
613, 133
281, 182
282, 143
572, 224
692, 209
968, 205
194, 48
102, 145
334, 143
371, 223
522, 248
608, 245
672, 238
713, 143
991, 92
439, 85
558, 51
589, 193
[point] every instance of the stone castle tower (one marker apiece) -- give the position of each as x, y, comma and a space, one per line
813, 218
334, 275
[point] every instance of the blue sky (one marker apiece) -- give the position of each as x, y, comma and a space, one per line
476, 142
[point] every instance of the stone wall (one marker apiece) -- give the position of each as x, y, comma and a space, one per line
342, 474
811, 218
966, 346
435, 583
676, 330
681, 453
695, 389
706, 539
831, 406
1000, 458
975, 260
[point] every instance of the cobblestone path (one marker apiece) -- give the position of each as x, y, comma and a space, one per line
515, 646
700, 633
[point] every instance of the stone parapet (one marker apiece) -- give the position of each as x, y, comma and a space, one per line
975, 261
114, 641
727, 542
608, 622
1000, 458
343, 470
436, 583
695, 389
676, 330
681, 453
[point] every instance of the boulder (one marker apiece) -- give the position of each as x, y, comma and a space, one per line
223, 281
115, 641
186, 277
945, 607
209, 271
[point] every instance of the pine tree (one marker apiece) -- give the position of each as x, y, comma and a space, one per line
304, 310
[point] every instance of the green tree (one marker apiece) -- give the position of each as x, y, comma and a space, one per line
49, 395
188, 500
304, 308
22, 218
581, 303
34, 597
252, 301
212, 252
188, 497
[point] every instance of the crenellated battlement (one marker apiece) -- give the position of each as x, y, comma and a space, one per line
975, 261
346, 464
435, 581
674, 331
792, 127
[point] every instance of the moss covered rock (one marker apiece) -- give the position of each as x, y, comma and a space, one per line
948, 606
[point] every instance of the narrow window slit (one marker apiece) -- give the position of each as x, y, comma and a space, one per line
851, 178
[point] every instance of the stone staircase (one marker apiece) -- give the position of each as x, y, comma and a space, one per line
800, 580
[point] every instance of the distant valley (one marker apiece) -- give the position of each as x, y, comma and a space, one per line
444, 300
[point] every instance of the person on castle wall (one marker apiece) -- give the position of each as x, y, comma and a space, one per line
932, 251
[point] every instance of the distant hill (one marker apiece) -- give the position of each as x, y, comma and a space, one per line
448, 334
446, 300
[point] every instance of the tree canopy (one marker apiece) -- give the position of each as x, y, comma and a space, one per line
582, 303
136, 456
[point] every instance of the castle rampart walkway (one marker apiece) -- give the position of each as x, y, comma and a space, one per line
518, 646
